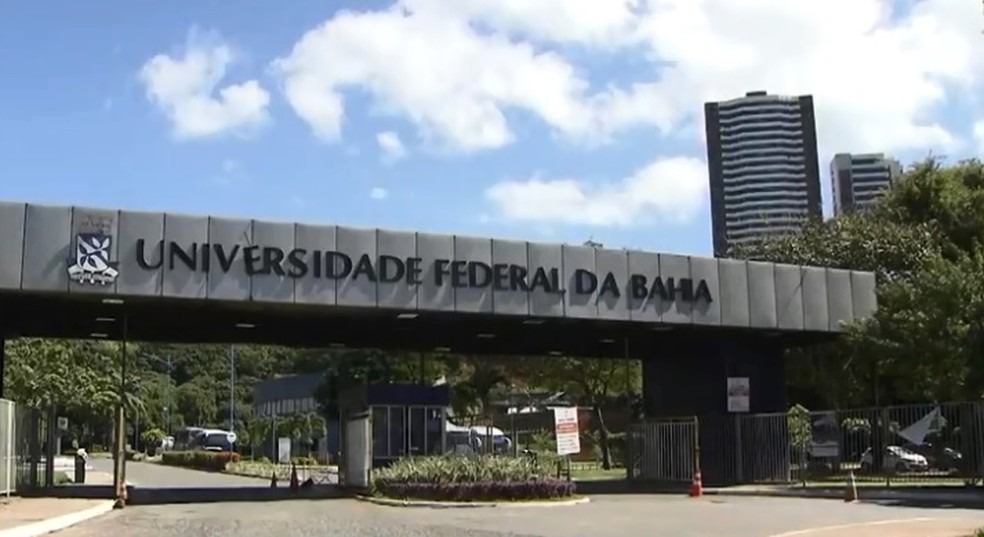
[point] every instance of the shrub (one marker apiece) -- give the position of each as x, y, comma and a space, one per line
481, 478
213, 461
539, 489
305, 461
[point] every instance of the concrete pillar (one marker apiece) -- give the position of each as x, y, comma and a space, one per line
3, 362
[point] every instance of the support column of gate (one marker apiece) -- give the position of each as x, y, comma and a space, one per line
690, 379
3, 358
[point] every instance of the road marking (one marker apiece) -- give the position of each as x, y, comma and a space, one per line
853, 525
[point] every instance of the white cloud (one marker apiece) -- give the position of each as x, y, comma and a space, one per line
186, 88
672, 189
391, 145
455, 69
604, 23
978, 132
378, 193
876, 75
434, 69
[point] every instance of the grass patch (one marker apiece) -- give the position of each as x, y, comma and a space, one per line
597, 474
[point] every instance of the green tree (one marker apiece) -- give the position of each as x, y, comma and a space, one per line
590, 382
924, 243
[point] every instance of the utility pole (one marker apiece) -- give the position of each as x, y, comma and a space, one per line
170, 396
232, 389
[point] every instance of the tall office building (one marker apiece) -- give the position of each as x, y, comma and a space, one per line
762, 161
859, 180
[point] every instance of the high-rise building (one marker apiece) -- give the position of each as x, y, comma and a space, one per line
762, 162
860, 180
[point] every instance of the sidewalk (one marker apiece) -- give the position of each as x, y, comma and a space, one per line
926, 527
930, 496
28, 517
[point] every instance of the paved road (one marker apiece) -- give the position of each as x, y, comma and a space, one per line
615, 516
150, 475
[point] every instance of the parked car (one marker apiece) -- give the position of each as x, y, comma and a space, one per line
896, 459
940, 458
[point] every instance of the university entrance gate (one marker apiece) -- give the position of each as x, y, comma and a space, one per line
77, 272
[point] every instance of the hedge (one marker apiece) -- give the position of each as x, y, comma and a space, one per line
213, 461
538, 489
456, 478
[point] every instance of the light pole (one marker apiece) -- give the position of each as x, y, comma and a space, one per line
232, 389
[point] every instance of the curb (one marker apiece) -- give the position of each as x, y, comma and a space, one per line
773, 494
869, 496
389, 502
44, 527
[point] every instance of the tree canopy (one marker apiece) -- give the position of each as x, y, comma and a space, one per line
924, 243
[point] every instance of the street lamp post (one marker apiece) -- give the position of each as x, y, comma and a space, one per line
232, 389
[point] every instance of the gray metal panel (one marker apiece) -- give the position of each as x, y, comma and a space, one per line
734, 292
275, 283
431, 248
863, 294
761, 295
676, 310
47, 248
789, 297
314, 287
616, 263
360, 246
188, 233
645, 264
232, 244
839, 301
471, 299
548, 256
135, 279
815, 317
100, 222
401, 293
706, 269
579, 305
505, 299
12, 239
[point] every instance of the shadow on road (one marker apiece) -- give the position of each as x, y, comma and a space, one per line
179, 495
182, 495
598, 487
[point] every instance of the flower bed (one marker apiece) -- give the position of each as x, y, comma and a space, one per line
469, 479
212, 461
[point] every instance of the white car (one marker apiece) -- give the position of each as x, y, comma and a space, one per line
896, 459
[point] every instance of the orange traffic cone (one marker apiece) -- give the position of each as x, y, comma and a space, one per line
295, 485
697, 486
851, 491
273, 479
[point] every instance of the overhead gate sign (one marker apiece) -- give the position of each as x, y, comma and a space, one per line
566, 431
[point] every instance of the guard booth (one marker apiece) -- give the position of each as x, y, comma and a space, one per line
381, 423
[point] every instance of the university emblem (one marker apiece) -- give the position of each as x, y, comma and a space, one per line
92, 263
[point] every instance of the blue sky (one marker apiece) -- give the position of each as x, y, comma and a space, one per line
537, 119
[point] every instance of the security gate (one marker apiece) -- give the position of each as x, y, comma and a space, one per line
664, 451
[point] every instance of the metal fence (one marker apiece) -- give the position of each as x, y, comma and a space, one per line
941, 443
664, 451
512, 434
8, 455
30, 449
